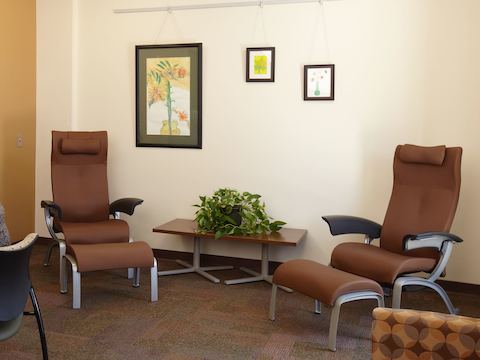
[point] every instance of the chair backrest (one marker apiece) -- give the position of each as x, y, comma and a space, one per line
426, 187
15, 277
79, 175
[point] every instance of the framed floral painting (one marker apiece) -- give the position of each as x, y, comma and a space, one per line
169, 95
319, 82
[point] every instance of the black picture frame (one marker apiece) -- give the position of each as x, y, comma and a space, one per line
168, 95
269, 66
325, 79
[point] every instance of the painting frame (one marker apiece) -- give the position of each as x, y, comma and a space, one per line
184, 80
328, 83
270, 65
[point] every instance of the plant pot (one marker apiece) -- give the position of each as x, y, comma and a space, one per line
235, 214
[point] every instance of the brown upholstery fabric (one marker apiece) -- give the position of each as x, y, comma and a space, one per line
80, 188
79, 181
424, 198
410, 334
321, 282
110, 231
111, 256
80, 146
376, 263
422, 155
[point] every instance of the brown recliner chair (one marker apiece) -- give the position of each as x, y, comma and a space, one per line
414, 236
79, 217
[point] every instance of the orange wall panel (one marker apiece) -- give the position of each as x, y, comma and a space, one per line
17, 114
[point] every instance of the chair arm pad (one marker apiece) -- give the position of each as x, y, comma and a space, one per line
53, 208
429, 240
125, 205
342, 224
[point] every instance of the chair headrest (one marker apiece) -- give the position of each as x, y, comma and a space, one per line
422, 155
80, 146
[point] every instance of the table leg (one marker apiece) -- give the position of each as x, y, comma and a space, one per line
195, 267
262, 276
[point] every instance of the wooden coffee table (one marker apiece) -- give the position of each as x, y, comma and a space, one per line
185, 227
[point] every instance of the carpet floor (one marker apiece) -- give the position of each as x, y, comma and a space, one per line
193, 319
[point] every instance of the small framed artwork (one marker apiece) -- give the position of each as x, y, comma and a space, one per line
260, 64
319, 82
169, 95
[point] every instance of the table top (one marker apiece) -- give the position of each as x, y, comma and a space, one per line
286, 236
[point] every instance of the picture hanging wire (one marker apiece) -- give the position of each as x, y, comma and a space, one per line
168, 16
217, 5
262, 23
320, 13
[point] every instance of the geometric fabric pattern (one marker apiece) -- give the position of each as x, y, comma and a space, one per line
411, 334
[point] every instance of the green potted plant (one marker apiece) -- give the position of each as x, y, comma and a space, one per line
229, 212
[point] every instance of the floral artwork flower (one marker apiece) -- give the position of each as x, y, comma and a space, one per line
168, 96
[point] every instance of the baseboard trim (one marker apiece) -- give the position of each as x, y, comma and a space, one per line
459, 287
211, 260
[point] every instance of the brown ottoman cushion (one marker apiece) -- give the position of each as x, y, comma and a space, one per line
321, 282
94, 257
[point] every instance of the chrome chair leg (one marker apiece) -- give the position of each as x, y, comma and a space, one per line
405, 281
136, 277
76, 283
63, 267
48, 254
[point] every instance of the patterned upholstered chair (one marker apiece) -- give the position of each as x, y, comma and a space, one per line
411, 334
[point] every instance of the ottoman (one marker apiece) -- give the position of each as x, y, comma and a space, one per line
326, 285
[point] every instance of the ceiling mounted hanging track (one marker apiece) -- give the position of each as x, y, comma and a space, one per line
217, 5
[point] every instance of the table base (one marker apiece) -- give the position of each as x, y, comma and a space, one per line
257, 276
195, 267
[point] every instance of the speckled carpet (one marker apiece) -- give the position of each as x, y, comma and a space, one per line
193, 319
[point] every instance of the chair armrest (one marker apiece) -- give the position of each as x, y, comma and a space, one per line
125, 205
53, 209
429, 240
342, 224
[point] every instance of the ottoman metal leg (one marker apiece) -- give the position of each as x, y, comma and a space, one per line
154, 281
361, 295
318, 307
273, 300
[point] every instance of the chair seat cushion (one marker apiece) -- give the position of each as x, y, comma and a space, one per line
376, 263
94, 257
321, 282
109, 231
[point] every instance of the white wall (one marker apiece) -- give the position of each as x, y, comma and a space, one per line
54, 90
307, 159
454, 114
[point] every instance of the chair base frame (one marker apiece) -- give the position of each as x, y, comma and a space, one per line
342, 299
429, 282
